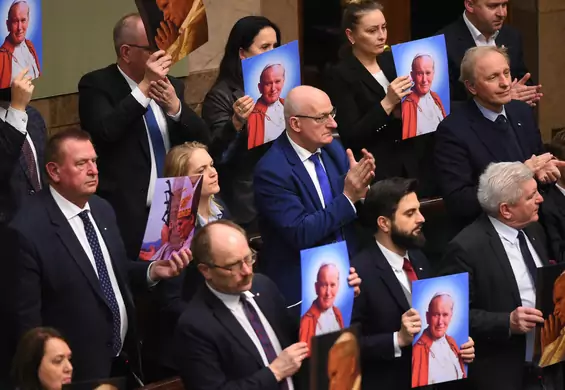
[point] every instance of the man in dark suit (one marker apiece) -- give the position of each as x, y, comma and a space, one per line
72, 272
306, 187
501, 251
489, 128
482, 24
236, 332
135, 113
391, 263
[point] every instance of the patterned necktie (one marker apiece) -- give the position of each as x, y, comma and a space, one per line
527, 256
104, 279
31, 166
156, 140
324, 182
407, 267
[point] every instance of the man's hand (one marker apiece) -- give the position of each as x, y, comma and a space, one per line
524, 319
156, 68
410, 325
289, 361
530, 94
550, 331
467, 351
167, 34
360, 175
22, 89
164, 94
354, 281
165, 269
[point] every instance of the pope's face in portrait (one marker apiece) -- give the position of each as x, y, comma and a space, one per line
423, 75
342, 363
175, 10
272, 83
327, 286
185, 226
439, 316
559, 299
17, 23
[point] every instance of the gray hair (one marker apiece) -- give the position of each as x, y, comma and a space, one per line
270, 66
16, 2
502, 183
124, 31
441, 295
326, 265
469, 61
422, 55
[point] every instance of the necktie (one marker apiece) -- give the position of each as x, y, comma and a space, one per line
511, 144
324, 182
527, 256
104, 279
407, 267
156, 140
30, 163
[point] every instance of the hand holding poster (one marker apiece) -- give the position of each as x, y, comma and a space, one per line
267, 78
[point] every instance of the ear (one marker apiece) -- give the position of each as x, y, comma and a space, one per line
383, 224
349, 35
124, 53
53, 172
204, 270
294, 125
504, 210
470, 87
469, 6
242, 54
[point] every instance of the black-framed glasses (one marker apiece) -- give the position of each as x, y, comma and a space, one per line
324, 118
146, 48
237, 266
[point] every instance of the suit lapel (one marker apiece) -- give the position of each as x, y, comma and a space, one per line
367, 78
465, 39
485, 131
389, 278
537, 243
513, 117
267, 309
419, 265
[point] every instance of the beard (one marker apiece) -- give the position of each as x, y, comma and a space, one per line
407, 240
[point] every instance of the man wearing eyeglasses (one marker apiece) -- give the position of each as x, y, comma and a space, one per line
306, 187
135, 113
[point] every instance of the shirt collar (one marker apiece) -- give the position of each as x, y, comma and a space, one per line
489, 114
230, 300
132, 84
562, 191
303, 154
394, 259
475, 31
69, 209
504, 231
215, 214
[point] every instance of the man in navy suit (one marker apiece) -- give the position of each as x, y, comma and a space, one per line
306, 187
72, 272
391, 263
491, 127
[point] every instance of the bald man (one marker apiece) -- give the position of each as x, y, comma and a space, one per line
17, 53
553, 332
306, 187
422, 110
435, 356
343, 363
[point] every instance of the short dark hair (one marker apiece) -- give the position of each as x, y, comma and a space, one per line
242, 35
29, 354
120, 29
201, 245
53, 147
383, 198
557, 146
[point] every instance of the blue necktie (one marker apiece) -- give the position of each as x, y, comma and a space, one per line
156, 140
324, 182
104, 279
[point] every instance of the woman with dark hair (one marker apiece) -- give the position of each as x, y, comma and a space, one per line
226, 109
42, 361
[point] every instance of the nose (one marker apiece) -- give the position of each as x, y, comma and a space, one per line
331, 124
68, 367
93, 168
246, 269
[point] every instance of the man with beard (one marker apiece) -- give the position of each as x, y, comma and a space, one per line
266, 122
392, 263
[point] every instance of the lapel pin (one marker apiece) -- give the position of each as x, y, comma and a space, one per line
519, 124
105, 229
257, 294
420, 269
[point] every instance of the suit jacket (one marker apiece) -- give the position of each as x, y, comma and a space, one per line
363, 123
110, 113
552, 218
213, 350
235, 163
493, 295
378, 310
15, 184
291, 214
467, 142
56, 284
458, 40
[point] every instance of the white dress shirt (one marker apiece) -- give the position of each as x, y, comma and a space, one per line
509, 238
327, 322
443, 363
428, 115
478, 37
18, 120
22, 59
561, 189
489, 114
274, 121
234, 305
381, 79
161, 122
396, 262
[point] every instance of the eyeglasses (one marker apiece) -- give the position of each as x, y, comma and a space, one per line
146, 48
250, 259
322, 119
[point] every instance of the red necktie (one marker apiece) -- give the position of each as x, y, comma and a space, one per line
31, 167
407, 267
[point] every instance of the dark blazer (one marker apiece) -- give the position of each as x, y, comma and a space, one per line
56, 285
493, 295
214, 352
235, 163
467, 142
15, 185
291, 214
552, 218
110, 113
458, 40
378, 310
363, 123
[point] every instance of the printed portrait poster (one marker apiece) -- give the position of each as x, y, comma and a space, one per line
335, 362
177, 26
443, 305
327, 298
172, 217
549, 345
98, 384
22, 45
267, 78
425, 61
